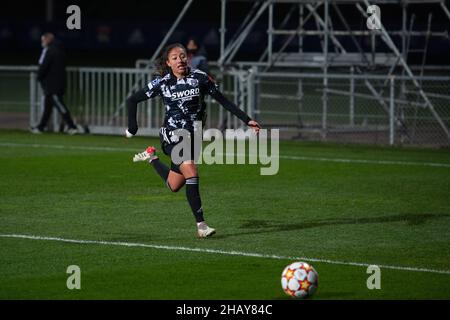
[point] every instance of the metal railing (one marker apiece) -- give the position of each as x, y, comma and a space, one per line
359, 108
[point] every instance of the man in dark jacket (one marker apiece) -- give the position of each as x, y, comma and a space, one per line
52, 77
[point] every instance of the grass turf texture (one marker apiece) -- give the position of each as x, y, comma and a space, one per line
388, 214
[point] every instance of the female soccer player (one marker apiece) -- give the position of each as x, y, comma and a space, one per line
182, 90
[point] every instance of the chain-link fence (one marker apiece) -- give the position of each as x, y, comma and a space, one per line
345, 108
355, 108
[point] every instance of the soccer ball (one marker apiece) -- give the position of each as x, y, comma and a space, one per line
299, 280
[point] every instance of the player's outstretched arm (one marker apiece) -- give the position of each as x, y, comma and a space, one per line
254, 125
231, 107
131, 103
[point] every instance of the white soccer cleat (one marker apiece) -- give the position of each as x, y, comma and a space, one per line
128, 134
35, 130
72, 131
148, 155
204, 231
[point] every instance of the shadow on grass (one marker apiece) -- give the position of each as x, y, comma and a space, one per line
256, 226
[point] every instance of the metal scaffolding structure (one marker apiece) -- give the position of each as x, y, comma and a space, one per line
397, 87
310, 10
335, 52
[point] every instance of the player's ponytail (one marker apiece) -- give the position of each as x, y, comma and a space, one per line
161, 66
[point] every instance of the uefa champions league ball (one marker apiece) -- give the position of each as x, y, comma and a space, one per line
299, 280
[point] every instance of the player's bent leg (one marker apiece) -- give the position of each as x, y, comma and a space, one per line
175, 181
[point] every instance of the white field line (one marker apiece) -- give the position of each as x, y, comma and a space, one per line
223, 252
58, 146
287, 157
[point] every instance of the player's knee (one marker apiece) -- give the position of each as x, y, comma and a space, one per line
188, 169
174, 188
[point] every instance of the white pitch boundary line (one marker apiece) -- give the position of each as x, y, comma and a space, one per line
58, 146
223, 252
287, 157
405, 163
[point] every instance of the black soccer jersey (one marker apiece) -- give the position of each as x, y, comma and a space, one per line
183, 100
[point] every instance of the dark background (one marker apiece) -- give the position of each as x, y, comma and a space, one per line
116, 33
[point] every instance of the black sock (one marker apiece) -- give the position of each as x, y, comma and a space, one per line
193, 197
161, 168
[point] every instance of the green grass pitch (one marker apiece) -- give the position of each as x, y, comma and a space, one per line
391, 210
